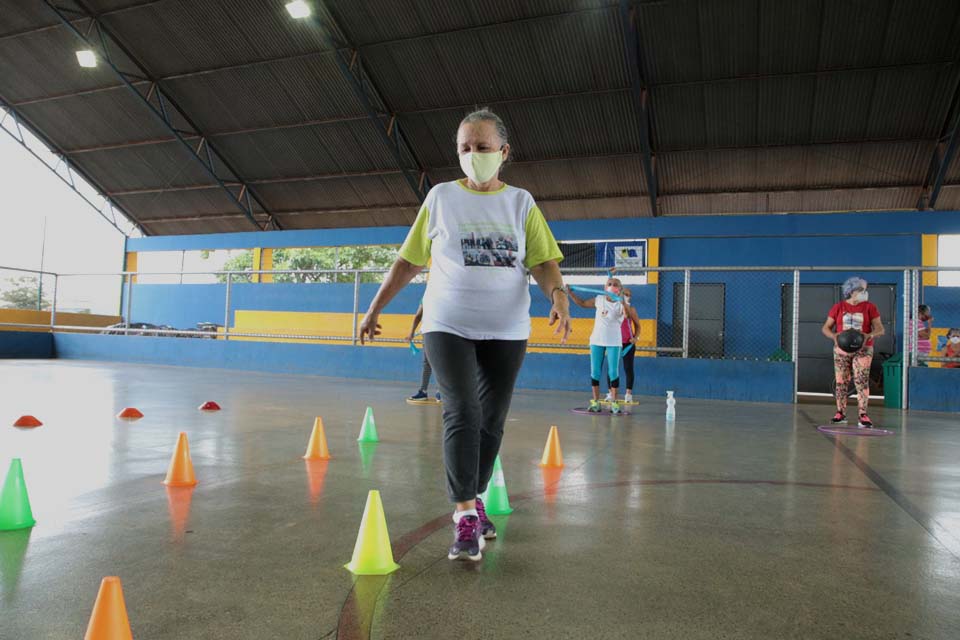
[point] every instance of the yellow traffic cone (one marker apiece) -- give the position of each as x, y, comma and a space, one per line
372, 555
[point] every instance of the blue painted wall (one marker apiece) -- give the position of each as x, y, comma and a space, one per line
714, 379
183, 306
831, 224
24, 344
934, 389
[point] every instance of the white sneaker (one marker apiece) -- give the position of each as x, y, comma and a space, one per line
628, 397
608, 398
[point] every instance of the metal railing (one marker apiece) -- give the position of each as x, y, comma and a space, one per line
678, 288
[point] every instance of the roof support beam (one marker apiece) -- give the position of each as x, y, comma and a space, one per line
943, 153
350, 63
630, 23
64, 168
57, 25
164, 109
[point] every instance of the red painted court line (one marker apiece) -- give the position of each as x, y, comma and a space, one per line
354, 624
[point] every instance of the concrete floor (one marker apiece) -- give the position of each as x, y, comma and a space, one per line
741, 521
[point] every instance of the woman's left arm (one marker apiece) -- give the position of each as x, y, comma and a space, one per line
876, 328
548, 277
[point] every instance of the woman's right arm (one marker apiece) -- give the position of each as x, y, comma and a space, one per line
587, 304
401, 273
827, 329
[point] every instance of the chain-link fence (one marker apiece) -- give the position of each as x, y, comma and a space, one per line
935, 323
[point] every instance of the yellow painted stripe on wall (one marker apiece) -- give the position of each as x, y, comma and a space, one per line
28, 316
257, 254
130, 263
653, 259
398, 326
266, 264
928, 253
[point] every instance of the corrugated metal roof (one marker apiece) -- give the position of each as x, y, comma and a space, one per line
271, 94
176, 36
17, 16
561, 54
758, 106
211, 224
178, 203
883, 199
96, 119
166, 165
795, 167
367, 218
949, 198
45, 63
385, 20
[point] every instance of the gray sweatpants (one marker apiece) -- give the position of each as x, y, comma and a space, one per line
476, 379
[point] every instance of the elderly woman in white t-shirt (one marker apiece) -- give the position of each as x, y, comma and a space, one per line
482, 236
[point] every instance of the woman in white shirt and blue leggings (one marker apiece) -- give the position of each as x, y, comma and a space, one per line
605, 340
482, 236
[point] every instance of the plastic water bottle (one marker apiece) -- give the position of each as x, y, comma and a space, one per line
671, 407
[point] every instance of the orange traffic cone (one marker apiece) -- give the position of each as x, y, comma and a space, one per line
27, 422
209, 405
130, 413
317, 446
109, 618
180, 471
552, 455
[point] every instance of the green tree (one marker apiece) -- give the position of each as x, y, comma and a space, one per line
22, 294
240, 262
320, 258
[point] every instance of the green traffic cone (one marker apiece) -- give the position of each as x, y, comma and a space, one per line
15, 510
368, 432
495, 498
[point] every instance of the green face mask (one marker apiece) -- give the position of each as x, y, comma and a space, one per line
481, 167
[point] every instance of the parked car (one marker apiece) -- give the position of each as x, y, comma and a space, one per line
137, 329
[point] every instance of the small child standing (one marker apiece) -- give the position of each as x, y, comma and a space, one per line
953, 348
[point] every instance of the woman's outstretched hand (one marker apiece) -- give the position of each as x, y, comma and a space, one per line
560, 316
369, 327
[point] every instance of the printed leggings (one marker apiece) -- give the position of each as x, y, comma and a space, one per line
857, 366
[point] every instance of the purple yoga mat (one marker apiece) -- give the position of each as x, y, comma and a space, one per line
837, 430
605, 412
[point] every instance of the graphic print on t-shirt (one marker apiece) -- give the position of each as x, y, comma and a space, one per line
488, 245
853, 321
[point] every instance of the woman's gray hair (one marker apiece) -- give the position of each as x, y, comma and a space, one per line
485, 115
852, 284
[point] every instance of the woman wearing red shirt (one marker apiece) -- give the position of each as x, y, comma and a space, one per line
855, 312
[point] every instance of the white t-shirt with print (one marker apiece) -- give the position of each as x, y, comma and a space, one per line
480, 244
606, 323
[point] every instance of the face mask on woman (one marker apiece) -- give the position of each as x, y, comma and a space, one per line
954, 339
626, 299
614, 290
861, 296
481, 167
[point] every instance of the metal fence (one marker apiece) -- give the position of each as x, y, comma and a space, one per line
729, 313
